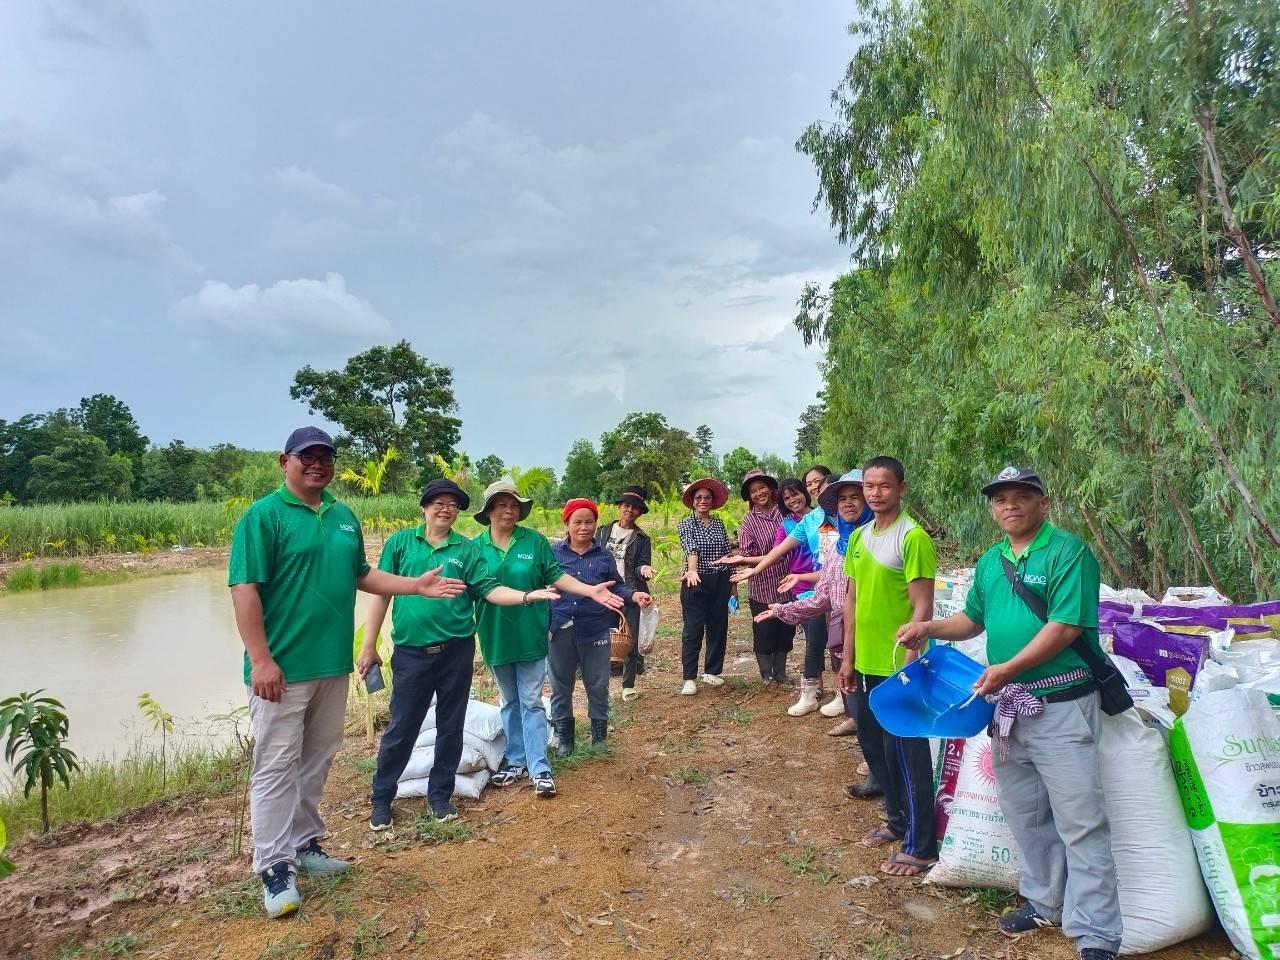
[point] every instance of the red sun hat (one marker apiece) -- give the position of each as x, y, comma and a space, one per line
578, 503
719, 492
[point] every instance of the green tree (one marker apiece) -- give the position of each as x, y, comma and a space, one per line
736, 464
386, 396
707, 463
536, 483
79, 468
809, 435
171, 473
371, 477
109, 419
489, 469
644, 449
581, 472
26, 438
775, 466
35, 729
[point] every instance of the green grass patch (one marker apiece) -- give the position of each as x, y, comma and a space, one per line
744, 684
886, 946
22, 579
690, 776
236, 901
992, 901
366, 767
429, 830
583, 753
107, 788
806, 864
121, 946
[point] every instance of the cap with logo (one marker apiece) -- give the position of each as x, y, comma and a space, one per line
1015, 477
305, 437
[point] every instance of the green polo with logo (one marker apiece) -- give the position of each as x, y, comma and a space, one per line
418, 621
306, 561
881, 563
1056, 566
517, 634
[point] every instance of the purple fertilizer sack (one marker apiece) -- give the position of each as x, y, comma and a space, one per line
1158, 652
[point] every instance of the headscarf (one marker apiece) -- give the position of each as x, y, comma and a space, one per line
845, 528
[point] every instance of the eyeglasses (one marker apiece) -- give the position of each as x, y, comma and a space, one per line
444, 505
311, 459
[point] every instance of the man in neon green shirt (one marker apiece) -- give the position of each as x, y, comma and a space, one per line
890, 565
297, 559
1048, 722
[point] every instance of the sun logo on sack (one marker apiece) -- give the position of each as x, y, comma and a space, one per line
985, 767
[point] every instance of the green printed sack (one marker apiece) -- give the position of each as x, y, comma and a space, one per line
1226, 759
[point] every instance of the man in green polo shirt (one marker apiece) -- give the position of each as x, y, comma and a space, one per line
297, 559
1048, 715
435, 647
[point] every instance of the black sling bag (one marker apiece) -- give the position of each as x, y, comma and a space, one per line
1113, 691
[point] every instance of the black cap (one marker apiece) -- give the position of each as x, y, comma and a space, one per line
305, 437
1015, 477
638, 490
437, 487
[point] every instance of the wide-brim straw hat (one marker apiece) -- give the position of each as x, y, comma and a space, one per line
491, 492
830, 494
719, 492
758, 474
636, 496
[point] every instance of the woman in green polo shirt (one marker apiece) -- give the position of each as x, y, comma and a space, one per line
513, 640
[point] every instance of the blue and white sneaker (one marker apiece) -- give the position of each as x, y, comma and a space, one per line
314, 862
508, 774
279, 891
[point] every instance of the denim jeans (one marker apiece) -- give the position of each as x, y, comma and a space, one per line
523, 719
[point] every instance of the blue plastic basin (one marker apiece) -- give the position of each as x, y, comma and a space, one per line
929, 697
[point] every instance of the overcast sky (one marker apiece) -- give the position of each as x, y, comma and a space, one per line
584, 209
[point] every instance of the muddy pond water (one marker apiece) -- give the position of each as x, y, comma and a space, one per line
97, 648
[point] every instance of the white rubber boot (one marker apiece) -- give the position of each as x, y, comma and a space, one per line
808, 701
835, 708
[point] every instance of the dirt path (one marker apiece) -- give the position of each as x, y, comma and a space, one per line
717, 827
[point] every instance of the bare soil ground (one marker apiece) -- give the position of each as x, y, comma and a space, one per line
716, 827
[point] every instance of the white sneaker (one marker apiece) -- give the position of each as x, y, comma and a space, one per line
711, 680
689, 689
629, 693
835, 708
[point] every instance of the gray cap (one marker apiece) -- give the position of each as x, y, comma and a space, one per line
305, 437
1015, 477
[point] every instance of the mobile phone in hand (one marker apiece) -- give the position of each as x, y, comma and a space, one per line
373, 681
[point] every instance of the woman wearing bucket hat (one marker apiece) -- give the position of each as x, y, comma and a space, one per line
841, 499
513, 640
771, 639
704, 590
580, 626
434, 647
632, 552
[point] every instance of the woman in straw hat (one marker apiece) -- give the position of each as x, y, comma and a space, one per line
632, 552
704, 593
513, 640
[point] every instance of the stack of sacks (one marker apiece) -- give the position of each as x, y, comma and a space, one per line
483, 745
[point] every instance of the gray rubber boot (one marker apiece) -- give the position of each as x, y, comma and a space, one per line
765, 662
564, 733
599, 732
780, 668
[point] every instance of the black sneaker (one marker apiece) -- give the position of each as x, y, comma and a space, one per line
543, 785
379, 814
443, 810
508, 774
1096, 953
1025, 919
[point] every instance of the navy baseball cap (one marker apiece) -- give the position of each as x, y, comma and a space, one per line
436, 487
1015, 477
305, 437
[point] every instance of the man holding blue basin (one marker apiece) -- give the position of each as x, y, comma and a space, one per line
1036, 595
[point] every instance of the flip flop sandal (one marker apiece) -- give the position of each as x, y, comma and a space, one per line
880, 837
913, 866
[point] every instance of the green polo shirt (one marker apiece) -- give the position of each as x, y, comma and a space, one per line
421, 621
1056, 566
306, 561
517, 634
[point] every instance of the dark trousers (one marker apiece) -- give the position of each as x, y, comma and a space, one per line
904, 769
770, 636
442, 670
815, 646
567, 653
705, 609
633, 663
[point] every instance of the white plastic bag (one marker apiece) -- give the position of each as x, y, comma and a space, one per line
423, 758
490, 750
467, 785
649, 617
483, 720
1226, 755
1194, 597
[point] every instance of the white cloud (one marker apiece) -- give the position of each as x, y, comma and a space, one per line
96, 23
311, 184
287, 317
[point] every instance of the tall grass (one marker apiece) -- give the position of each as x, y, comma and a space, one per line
108, 788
